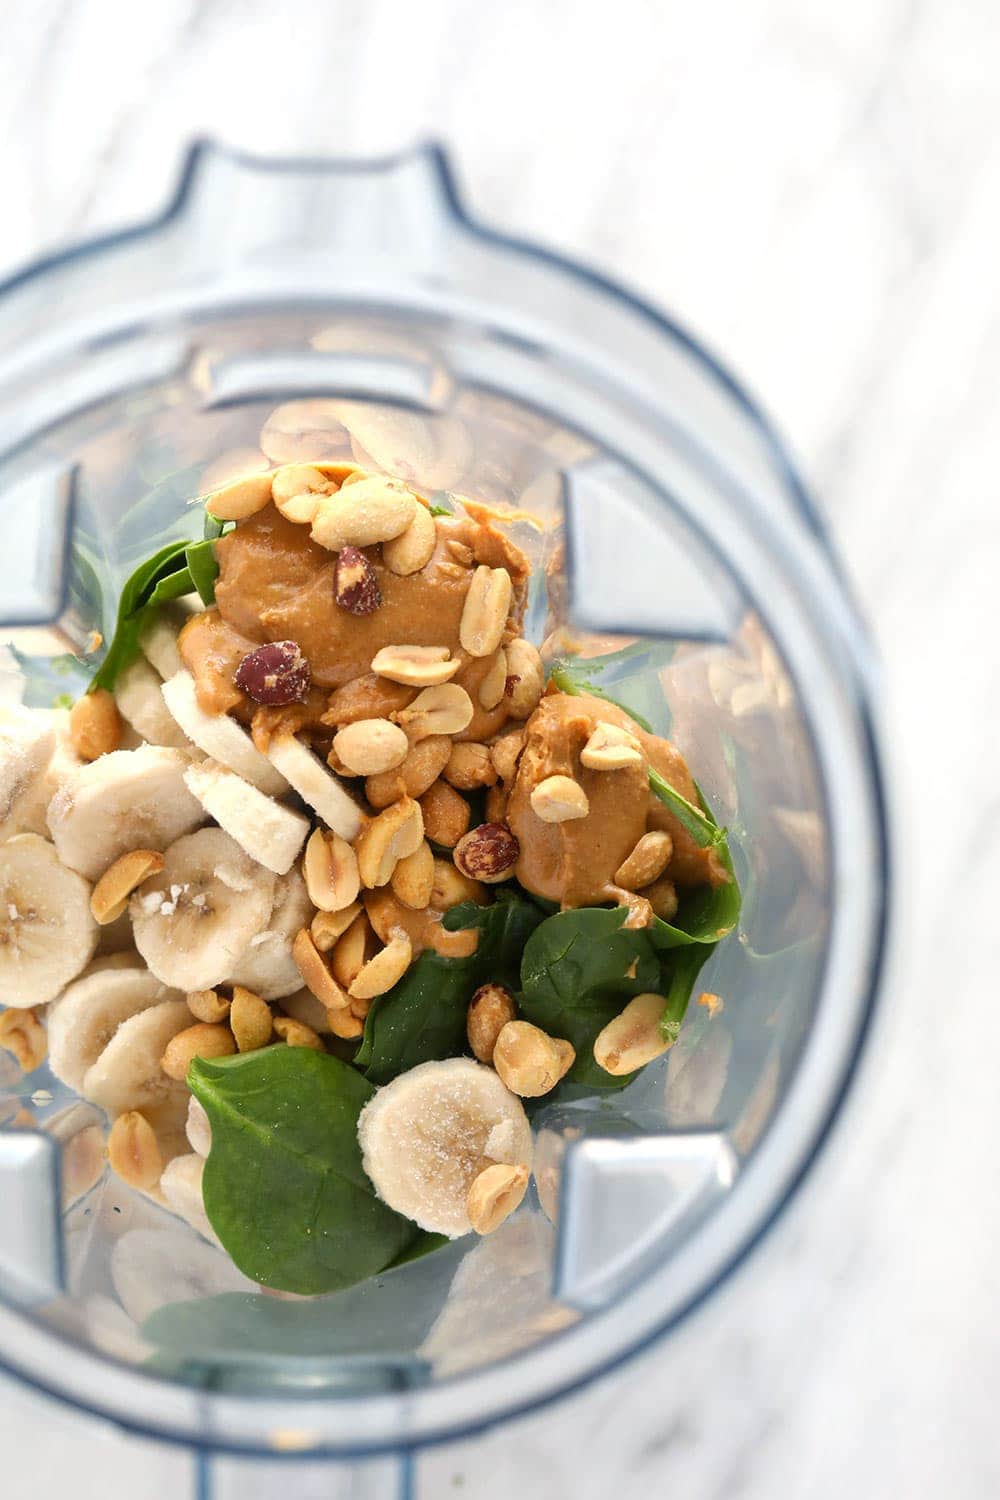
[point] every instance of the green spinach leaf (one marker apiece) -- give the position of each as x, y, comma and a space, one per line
203, 569
176, 569
285, 1189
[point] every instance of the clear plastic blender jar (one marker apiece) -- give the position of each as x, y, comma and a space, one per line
323, 310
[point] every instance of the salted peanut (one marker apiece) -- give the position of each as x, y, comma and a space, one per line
423, 765
443, 709
345, 1024
249, 1020
296, 1033
327, 926
446, 814
95, 725
714, 1004
490, 1009
469, 766
494, 1195
240, 498
380, 973
451, 887
633, 1038
416, 666
366, 697
109, 897
662, 897
315, 974
459, 552
386, 839
610, 748
529, 1061
558, 799
134, 1153
484, 613
202, 1040
208, 1005
355, 583
374, 509
370, 746
330, 867
348, 957
494, 684
505, 752
525, 678
413, 878
296, 490
647, 861
414, 547
487, 853
496, 805
23, 1035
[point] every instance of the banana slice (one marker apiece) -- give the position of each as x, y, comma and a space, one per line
267, 966
139, 696
182, 1192
47, 934
315, 785
198, 1127
29, 810
130, 799
270, 833
27, 740
158, 636
220, 736
89, 1012
426, 1135
153, 1267
128, 1075
193, 922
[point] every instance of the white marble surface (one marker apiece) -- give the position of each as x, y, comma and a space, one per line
815, 186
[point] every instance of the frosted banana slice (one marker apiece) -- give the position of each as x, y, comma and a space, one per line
47, 934
267, 966
182, 1192
193, 922
130, 799
316, 786
220, 736
83, 1020
139, 696
28, 813
270, 833
158, 636
128, 1075
426, 1136
27, 740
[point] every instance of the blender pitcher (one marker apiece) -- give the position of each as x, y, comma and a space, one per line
320, 310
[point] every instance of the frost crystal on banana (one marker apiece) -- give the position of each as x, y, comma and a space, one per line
47, 932
267, 966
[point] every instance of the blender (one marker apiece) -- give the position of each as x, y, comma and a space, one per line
316, 310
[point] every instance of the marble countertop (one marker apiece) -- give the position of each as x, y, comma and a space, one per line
815, 188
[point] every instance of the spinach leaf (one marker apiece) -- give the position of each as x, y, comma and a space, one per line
203, 569
176, 569
422, 1018
702, 828
285, 1189
569, 677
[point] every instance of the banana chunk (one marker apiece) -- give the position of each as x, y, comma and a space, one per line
316, 786
270, 833
220, 737
139, 698
47, 932
267, 966
427, 1135
130, 799
128, 1075
28, 812
27, 740
194, 921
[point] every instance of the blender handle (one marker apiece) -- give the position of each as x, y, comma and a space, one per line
228, 1476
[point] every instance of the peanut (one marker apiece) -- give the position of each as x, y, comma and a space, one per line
443, 709
23, 1035
413, 878
496, 805
609, 748
366, 697
240, 499
388, 838
201, 1040
647, 861
529, 1061
360, 1008
494, 683
296, 1033
383, 971
494, 1195
488, 853
558, 799
355, 583
349, 955
525, 678
133, 1151
490, 1008
330, 867
446, 814
109, 897
296, 491
327, 926
414, 547
469, 766
95, 725
370, 746
345, 1024
505, 752
484, 614
415, 666
315, 974
208, 1005
374, 509
662, 897
250, 1020
421, 768
451, 887
633, 1038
